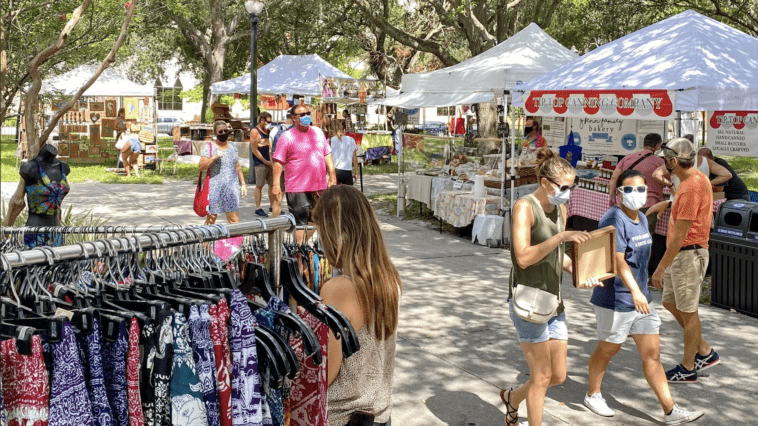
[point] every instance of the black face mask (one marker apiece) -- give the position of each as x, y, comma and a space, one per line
222, 138
527, 130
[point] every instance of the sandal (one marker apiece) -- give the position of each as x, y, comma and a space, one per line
511, 417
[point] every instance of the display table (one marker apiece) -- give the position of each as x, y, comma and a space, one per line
459, 208
243, 148
445, 183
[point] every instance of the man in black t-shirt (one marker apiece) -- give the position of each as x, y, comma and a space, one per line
735, 188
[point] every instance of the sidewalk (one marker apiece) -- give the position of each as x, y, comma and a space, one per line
456, 343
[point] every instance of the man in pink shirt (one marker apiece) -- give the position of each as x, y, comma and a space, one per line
645, 162
305, 155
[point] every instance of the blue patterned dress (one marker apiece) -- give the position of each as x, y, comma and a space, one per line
93, 360
246, 383
205, 362
114, 363
69, 401
224, 188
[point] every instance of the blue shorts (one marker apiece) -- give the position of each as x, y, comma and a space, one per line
529, 332
136, 146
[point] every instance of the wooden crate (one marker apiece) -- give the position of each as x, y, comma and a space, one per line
73, 150
596, 257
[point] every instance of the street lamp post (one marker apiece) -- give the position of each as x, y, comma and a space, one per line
254, 9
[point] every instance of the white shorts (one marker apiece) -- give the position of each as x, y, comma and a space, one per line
614, 326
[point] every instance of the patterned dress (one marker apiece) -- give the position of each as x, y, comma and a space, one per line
26, 391
246, 386
136, 417
187, 407
202, 348
307, 403
101, 409
273, 397
223, 358
114, 362
224, 188
69, 401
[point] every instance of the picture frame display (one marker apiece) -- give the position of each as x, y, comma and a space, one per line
110, 108
596, 257
96, 106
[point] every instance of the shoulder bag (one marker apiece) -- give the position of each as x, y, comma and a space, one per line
200, 204
534, 305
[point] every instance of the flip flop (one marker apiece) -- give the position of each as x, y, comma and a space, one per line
511, 417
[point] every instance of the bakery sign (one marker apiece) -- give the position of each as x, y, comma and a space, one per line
733, 133
629, 104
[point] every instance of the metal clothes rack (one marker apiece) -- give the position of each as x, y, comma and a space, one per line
163, 239
91, 229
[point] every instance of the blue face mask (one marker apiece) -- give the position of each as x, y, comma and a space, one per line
305, 120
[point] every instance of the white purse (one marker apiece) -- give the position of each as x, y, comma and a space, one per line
534, 305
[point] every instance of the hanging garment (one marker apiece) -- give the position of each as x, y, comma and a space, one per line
114, 363
160, 364
223, 358
307, 403
46, 196
3, 418
246, 389
202, 348
187, 407
136, 417
25, 384
69, 401
93, 371
273, 397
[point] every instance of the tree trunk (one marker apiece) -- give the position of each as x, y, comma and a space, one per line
206, 96
486, 118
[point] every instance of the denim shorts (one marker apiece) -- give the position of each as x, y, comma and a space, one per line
529, 332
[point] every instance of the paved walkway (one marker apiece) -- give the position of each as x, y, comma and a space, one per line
456, 343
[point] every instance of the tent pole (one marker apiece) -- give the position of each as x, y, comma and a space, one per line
513, 162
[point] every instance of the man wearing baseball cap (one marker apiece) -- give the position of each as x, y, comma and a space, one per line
680, 273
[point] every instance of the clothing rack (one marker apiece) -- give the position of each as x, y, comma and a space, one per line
165, 238
90, 229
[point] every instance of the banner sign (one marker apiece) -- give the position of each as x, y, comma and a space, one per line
635, 104
342, 88
733, 133
605, 135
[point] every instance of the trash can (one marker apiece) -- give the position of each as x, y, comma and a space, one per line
734, 257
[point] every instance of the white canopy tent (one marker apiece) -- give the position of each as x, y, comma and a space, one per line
710, 65
286, 74
110, 83
529, 53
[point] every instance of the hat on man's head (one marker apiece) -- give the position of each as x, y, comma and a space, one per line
679, 148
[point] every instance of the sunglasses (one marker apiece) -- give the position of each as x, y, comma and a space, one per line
222, 132
302, 114
629, 189
563, 188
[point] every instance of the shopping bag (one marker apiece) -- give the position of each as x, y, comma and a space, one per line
227, 248
200, 204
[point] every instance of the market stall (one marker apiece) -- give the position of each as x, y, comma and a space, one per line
651, 75
485, 78
87, 131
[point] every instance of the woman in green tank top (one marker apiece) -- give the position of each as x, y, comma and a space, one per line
538, 234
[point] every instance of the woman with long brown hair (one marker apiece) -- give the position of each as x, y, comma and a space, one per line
344, 154
368, 293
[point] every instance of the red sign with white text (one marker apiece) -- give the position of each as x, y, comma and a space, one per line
631, 104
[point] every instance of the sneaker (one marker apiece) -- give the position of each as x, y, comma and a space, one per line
260, 212
706, 362
596, 404
679, 374
269, 210
678, 416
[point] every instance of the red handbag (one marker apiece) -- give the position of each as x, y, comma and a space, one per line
200, 204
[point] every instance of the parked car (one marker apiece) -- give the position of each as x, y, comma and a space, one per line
167, 124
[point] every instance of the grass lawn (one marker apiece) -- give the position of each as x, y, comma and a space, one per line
96, 172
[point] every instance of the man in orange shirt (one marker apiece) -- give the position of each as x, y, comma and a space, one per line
680, 273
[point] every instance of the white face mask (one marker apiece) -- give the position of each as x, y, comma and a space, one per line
560, 197
635, 200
